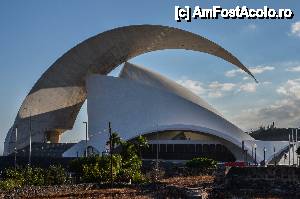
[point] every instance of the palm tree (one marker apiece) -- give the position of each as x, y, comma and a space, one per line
115, 140
128, 150
141, 143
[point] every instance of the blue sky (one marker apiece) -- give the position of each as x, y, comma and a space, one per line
33, 34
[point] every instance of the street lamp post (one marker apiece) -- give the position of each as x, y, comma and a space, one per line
297, 146
111, 154
246, 158
274, 155
293, 146
30, 129
16, 139
265, 155
86, 137
243, 150
289, 149
252, 152
255, 153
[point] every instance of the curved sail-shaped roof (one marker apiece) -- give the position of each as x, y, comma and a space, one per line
151, 78
142, 102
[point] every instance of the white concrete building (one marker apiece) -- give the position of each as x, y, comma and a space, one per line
52, 105
138, 102
142, 102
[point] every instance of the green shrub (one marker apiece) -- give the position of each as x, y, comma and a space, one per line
25, 176
33, 176
96, 168
202, 163
10, 184
91, 173
30, 176
55, 175
131, 170
105, 165
17, 178
126, 165
14, 174
77, 164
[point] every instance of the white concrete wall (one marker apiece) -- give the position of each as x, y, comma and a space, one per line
134, 109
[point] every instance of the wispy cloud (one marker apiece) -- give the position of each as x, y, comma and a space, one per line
293, 69
193, 85
290, 89
284, 112
254, 70
261, 69
215, 94
295, 29
217, 89
248, 87
221, 86
213, 90
233, 73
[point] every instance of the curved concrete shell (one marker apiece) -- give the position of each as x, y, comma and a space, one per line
55, 100
153, 79
141, 102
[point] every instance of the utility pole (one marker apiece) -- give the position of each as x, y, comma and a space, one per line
111, 154
30, 129
265, 156
297, 146
157, 148
289, 149
243, 150
86, 138
255, 146
274, 155
16, 139
252, 151
293, 145
255, 154
246, 152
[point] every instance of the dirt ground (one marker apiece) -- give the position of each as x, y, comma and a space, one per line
189, 181
80, 193
92, 191
97, 193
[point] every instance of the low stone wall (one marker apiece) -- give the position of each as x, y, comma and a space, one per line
43, 162
283, 181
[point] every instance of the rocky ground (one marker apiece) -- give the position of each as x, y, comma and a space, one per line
74, 191
170, 187
190, 181
204, 186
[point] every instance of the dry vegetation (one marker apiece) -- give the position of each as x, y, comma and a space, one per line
93, 191
189, 181
80, 191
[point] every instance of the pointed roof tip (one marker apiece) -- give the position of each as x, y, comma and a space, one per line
129, 64
256, 81
125, 67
